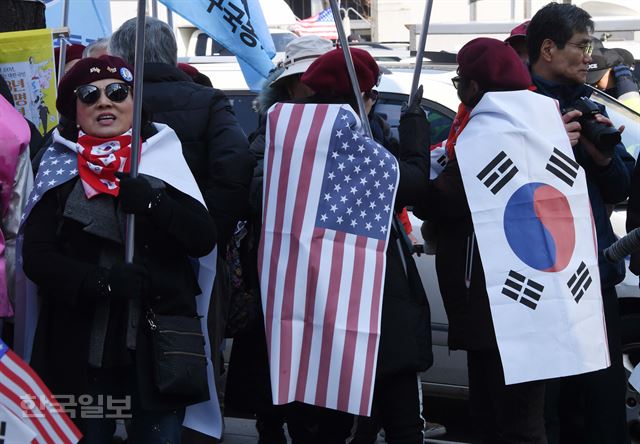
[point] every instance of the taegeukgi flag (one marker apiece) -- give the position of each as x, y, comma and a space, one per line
532, 219
327, 209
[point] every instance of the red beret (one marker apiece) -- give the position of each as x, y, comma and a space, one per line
86, 71
519, 31
328, 74
73, 52
494, 65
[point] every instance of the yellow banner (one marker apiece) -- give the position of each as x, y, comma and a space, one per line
27, 65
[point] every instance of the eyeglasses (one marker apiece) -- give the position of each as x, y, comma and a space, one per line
587, 48
456, 81
89, 94
372, 95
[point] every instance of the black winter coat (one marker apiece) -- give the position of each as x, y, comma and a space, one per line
458, 264
62, 258
213, 143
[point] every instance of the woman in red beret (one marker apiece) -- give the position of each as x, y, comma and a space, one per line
405, 333
97, 340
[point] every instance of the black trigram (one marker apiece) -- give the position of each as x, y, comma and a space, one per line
442, 160
3, 431
498, 172
519, 288
563, 167
579, 282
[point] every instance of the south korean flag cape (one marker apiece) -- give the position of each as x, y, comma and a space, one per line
532, 218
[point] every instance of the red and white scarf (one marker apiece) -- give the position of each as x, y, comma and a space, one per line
98, 161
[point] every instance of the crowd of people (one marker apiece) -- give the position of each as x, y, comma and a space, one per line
200, 186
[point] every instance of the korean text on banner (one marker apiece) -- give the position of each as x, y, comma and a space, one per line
532, 218
26, 63
238, 25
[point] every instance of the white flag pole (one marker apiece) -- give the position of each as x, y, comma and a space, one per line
352, 71
62, 57
421, 45
138, 74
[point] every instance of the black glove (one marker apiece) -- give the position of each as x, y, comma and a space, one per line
414, 107
127, 281
135, 195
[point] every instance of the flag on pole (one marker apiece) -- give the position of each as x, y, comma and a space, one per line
89, 20
532, 218
239, 26
24, 394
328, 203
321, 25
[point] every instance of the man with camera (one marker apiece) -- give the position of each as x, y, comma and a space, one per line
560, 48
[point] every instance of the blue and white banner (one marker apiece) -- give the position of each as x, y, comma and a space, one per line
532, 218
89, 20
239, 26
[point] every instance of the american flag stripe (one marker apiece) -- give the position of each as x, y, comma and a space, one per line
37, 415
39, 409
374, 327
55, 424
315, 286
315, 118
333, 294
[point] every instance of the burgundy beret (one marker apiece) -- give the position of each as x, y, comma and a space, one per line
86, 71
519, 31
328, 74
493, 64
73, 52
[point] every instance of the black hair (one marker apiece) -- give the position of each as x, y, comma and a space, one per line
557, 22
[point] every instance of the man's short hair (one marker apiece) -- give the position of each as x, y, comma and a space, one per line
558, 22
96, 45
160, 43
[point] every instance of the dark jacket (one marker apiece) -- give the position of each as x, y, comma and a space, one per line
62, 257
458, 264
213, 142
607, 186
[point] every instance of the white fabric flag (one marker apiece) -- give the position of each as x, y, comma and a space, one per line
532, 218
13, 429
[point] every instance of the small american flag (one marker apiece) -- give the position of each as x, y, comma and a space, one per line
321, 25
328, 203
24, 394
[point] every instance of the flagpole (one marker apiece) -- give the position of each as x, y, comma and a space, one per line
352, 71
138, 73
421, 45
62, 56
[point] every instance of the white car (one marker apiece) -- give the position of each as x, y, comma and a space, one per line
448, 375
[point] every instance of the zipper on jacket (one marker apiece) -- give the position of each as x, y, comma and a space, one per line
468, 265
197, 355
181, 332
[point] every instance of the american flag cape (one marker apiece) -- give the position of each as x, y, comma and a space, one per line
328, 203
163, 159
321, 25
24, 394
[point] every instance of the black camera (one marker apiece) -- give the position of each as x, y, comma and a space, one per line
604, 137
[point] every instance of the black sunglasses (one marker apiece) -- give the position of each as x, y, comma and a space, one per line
89, 94
456, 81
373, 95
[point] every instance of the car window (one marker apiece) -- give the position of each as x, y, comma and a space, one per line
440, 117
280, 40
621, 115
388, 105
242, 103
